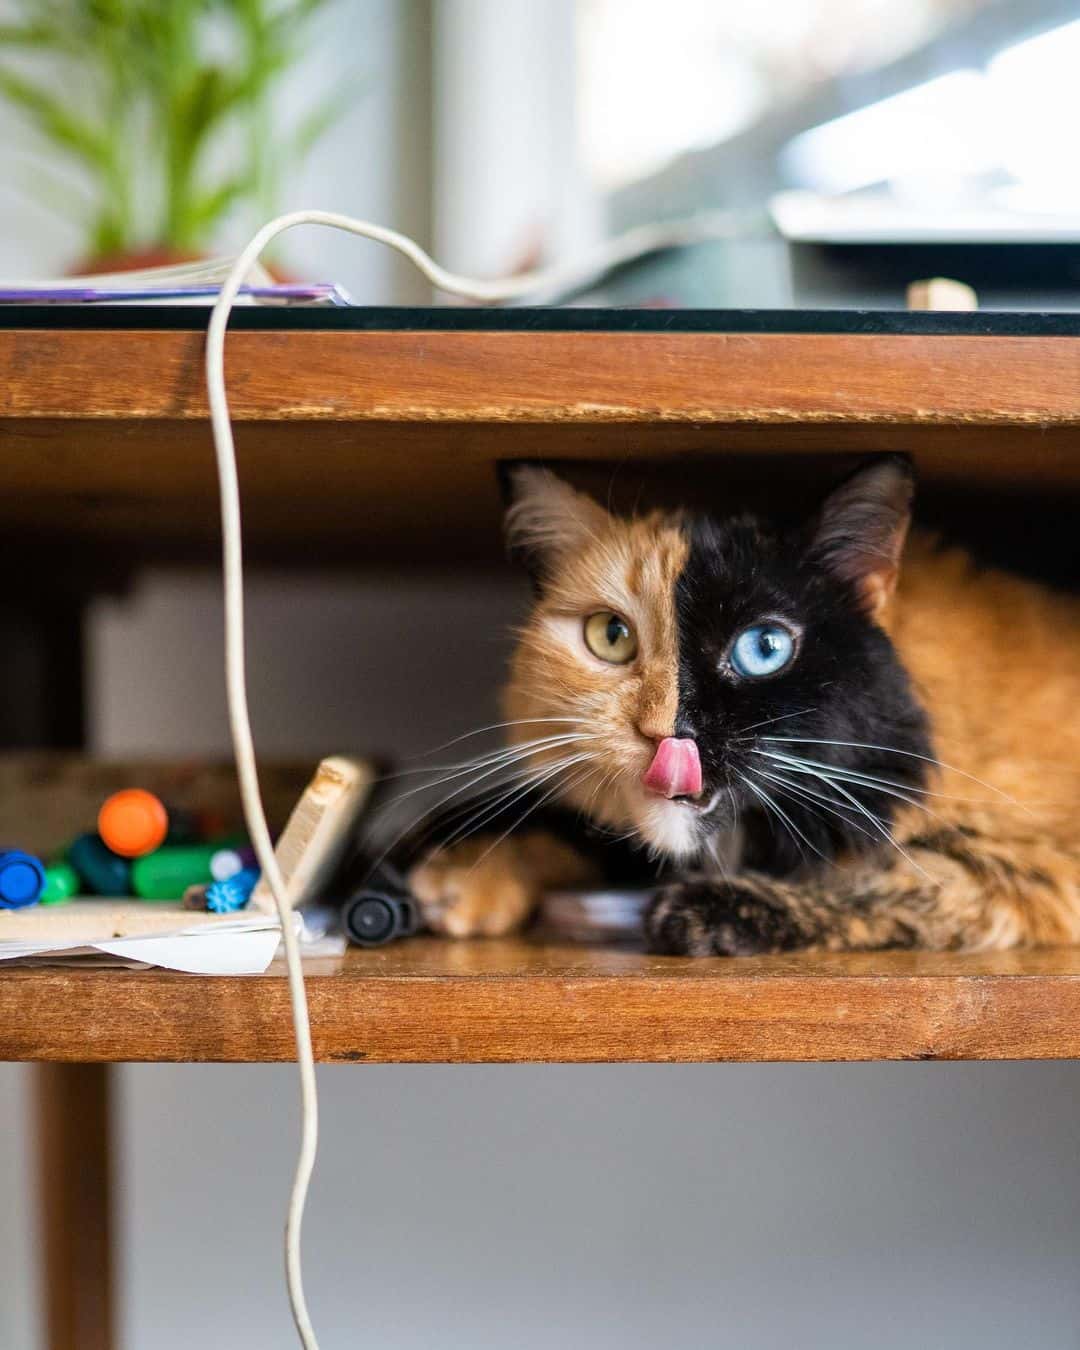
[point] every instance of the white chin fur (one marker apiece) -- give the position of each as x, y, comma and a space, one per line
669, 828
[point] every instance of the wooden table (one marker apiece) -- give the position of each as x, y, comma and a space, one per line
394, 419
509, 1000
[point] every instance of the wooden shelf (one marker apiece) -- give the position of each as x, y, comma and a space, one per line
428, 1000
382, 442
105, 437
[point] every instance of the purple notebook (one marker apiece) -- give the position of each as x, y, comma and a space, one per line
320, 293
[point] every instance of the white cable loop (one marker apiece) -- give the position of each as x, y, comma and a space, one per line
236, 682
636, 242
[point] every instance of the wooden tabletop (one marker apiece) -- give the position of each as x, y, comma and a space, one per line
429, 1000
105, 434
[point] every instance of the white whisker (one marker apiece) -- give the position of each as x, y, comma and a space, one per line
495, 760
768, 722
854, 779
792, 828
491, 809
835, 808
517, 824
863, 810
499, 726
874, 780
909, 754
508, 753
411, 825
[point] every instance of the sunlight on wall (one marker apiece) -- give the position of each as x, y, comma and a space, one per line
656, 80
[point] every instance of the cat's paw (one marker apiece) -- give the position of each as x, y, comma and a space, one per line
716, 918
474, 889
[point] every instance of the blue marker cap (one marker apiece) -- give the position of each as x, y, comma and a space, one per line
224, 897
22, 879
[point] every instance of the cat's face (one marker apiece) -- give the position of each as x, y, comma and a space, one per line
668, 654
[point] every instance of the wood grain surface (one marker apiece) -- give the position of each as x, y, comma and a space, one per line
72, 1121
104, 434
396, 376
428, 1000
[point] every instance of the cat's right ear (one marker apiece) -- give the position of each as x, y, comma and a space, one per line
546, 519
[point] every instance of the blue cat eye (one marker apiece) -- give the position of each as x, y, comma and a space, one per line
764, 649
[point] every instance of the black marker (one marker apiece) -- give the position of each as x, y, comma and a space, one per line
380, 910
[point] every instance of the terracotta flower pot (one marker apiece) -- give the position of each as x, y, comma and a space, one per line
134, 261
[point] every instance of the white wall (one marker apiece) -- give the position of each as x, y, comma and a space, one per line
333, 664
508, 185
18, 1236
375, 163
744, 1207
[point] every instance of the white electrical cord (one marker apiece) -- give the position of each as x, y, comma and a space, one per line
635, 243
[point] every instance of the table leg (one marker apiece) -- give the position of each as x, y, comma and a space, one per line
72, 1128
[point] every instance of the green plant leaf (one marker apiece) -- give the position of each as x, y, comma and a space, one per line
208, 208
200, 105
31, 35
54, 121
166, 82
109, 234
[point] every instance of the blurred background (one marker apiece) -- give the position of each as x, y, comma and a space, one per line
853, 143
856, 144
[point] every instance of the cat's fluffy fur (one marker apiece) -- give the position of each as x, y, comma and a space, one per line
912, 778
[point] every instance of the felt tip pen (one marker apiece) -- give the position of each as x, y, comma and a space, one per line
61, 883
103, 872
167, 873
227, 861
380, 910
231, 893
22, 879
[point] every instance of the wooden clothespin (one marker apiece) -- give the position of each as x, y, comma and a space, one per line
941, 293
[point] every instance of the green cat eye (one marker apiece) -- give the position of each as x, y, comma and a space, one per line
610, 638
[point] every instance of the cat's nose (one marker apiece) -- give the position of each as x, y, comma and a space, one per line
675, 770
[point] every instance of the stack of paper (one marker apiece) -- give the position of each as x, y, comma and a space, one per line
143, 933
194, 283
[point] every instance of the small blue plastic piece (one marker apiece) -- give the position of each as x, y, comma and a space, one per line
22, 879
224, 897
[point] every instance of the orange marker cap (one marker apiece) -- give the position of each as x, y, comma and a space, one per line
133, 822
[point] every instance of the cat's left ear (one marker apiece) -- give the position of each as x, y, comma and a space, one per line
860, 533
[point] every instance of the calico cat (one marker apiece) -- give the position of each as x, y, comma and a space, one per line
835, 737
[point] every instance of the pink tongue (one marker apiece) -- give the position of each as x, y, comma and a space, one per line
675, 770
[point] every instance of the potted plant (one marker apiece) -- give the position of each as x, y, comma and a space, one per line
164, 109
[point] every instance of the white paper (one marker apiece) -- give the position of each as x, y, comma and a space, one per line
237, 944
244, 945
204, 953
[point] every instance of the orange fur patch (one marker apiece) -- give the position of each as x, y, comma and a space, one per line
607, 717
488, 887
996, 662
630, 567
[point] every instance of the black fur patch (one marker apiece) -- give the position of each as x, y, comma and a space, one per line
707, 917
845, 684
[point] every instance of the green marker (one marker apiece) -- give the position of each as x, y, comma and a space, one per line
167, 873
61, 883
